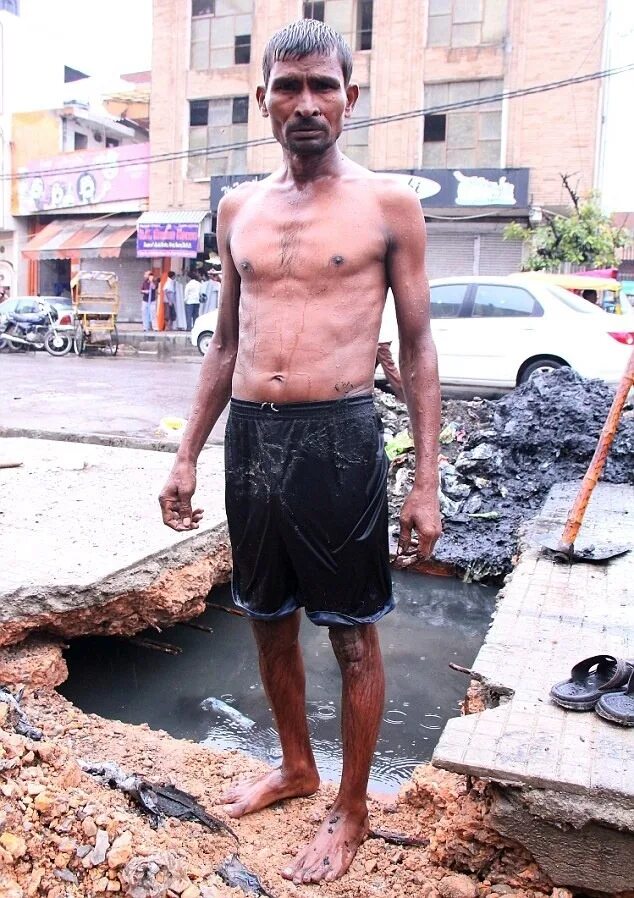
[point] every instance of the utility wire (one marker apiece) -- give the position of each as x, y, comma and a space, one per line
357, 124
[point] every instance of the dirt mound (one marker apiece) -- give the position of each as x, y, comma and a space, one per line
64, 834
498, 459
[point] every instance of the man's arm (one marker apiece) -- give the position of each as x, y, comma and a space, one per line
214, 387
418, 363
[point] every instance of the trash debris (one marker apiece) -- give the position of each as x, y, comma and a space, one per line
21, 725
172, 426
233, 872
499, 459
157, 800
398, 838
399, 444
220, 707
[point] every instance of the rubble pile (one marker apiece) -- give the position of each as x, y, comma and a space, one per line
499, 458
63, 834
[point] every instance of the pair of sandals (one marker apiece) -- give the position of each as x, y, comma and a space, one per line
602, 683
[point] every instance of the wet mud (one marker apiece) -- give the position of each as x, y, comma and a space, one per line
498, 459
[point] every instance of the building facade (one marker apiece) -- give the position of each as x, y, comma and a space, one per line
475, 163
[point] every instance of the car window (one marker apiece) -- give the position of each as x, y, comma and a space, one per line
446, 300
500, 301
574, 302
27, 306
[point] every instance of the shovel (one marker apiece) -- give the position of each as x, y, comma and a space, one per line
564, 549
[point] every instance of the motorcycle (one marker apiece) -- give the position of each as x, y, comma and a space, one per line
37, 330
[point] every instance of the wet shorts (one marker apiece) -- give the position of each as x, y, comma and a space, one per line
307, 510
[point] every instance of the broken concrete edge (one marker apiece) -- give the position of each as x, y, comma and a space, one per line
162, 589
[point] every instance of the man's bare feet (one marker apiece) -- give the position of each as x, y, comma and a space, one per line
332, 850
253, 795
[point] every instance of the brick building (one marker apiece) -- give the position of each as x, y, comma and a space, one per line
474, 167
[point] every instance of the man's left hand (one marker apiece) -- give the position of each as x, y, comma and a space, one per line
420, 512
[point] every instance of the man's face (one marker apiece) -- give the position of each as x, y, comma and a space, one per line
307, 102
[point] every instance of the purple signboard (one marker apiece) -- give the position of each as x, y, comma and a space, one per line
179, 240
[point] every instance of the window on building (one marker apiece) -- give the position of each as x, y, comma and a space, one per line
465, 23
112, 142
495, 301
80, 141
214, 124
365, 9
221, 33
314, 9
355, 142
434, 128
203, 8
242, 49
351, 18
472, 135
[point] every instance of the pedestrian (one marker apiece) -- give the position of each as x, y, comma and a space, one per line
384, 356
192, 299
307, 256
148, 301
169, 296
213, 291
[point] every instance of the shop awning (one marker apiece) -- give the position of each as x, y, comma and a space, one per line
96, 238
174, 233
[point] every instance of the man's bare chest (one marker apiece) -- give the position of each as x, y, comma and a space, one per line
277, 238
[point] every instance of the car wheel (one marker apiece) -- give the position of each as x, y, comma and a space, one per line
539, 366
203, 341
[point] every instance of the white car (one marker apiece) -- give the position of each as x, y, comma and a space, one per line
497, 331
203, 330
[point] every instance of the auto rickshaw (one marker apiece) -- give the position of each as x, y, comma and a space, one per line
608, 294
95, 296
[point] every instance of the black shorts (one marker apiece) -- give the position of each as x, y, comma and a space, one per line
307, 510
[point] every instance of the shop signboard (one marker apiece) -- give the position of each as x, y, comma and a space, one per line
83, 179
177, 240
436, 187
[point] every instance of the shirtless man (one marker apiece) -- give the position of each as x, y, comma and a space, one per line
307, 257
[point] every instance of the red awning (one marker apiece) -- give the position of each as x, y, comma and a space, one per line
97, 238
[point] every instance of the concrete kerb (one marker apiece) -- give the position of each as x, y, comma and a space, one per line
96, 439
561, 782
159, 343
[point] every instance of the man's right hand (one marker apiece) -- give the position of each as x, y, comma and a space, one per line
176, 498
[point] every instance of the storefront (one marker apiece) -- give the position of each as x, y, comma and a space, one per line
466, 213
107, 243
176, 240
80, 210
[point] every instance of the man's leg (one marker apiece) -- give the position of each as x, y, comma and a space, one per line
145, 316
282, 670
332, 850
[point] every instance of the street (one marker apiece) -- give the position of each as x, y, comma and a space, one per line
101, 395
107, 396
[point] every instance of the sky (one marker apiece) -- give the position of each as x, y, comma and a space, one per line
104, 37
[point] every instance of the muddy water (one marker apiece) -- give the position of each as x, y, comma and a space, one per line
437, 620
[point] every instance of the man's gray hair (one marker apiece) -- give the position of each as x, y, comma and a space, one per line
306, 37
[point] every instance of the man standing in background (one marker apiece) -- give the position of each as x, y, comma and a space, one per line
148, 301
169, 295
192, 299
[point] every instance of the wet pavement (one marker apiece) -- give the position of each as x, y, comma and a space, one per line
97, 394
437, 620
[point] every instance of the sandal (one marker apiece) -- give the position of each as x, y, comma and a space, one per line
618, 707
589, 680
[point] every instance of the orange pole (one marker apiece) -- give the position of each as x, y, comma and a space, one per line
578, 510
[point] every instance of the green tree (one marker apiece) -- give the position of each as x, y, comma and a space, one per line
586, 237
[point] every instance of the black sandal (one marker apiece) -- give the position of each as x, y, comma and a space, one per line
589, 680
618, 707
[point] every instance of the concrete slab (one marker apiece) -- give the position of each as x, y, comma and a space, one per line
577, 768
80, 525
